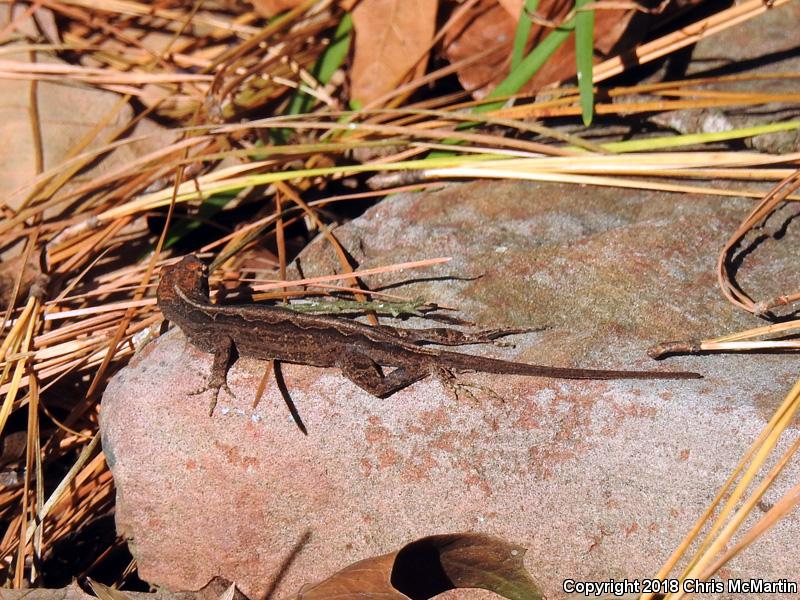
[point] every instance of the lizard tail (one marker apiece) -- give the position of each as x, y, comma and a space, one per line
468, 362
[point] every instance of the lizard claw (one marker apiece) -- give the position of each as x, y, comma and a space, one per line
213, 404
215, 397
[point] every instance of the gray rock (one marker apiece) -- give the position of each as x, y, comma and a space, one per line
755, 51
598, 479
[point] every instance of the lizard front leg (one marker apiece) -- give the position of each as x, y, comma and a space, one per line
367, 374
219, 372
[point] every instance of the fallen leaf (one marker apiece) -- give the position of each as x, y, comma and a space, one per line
420, 570
486, 25
10, 272
67, 114
71, 592
431, 566
492, 23
392, 40
512, 7
103, 592
13, 447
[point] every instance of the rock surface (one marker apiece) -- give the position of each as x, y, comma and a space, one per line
597, 479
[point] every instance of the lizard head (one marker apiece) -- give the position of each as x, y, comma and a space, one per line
189, 278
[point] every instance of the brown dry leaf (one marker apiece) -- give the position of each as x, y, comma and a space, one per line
67, 115
10, 272
392, 39
71, 592
13, 447
103, 592
422, 569
486, 25
513, 7
431, 566
493, 24
270, 8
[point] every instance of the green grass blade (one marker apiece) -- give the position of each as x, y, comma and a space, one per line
522, 32
334, 55
691, 139
584, 46
330, 60
530, 65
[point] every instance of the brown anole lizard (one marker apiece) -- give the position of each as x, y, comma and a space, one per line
358, 350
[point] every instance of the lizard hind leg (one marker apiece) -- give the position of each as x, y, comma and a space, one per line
368, 375
450, 382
